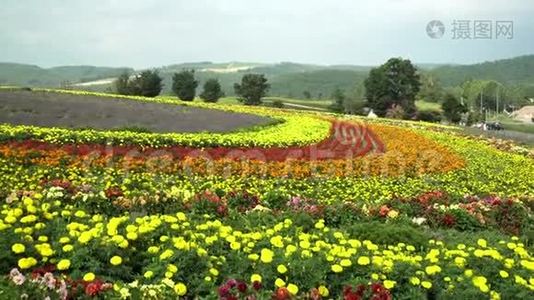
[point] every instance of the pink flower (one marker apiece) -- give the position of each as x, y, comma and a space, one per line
19, 280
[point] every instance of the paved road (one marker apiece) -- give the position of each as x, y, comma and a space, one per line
521, 137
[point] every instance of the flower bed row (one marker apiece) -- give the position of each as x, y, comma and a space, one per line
152, 256
486, 171
352, 150
345, 140
292, 129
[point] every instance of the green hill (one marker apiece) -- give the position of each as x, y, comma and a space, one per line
518, 70
287, 79
31, 75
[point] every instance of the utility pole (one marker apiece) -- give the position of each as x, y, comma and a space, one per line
481, 95
497, 102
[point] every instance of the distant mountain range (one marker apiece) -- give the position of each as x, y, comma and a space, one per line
286, 78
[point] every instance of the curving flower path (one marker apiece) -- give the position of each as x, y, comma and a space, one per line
346, 140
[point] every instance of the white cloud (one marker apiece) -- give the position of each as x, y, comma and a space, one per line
147, 33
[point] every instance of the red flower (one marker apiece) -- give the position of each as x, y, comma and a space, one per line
384, 209
93, 288
241, 286
282, 294
113, 192
448, 220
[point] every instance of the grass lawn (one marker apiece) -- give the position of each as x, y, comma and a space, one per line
424, 105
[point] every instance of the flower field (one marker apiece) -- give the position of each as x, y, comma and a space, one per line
314, 206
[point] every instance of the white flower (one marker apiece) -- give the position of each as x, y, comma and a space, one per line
419, 220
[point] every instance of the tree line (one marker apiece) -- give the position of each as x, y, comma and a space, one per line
390, 90
250, 91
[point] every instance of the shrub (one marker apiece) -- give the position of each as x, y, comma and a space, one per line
184, 85
396, 112
252, 88
389, 234
429, 116
212, 91
277, 103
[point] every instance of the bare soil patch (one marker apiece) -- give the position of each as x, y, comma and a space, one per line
73, 111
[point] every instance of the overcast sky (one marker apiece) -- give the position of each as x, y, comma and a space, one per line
151, 33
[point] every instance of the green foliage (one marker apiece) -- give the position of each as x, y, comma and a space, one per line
515, 70
396, 112
277, 103
429, 116
146, 84
389, 234
394, 83
339, 101
30, 75
212, 91
453, 109
121, 84
431, 90
184, 85
252, 88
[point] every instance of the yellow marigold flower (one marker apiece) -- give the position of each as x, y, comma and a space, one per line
180, 289
337, 268
345, 263
116, 260
63, 264
89, 277
389, 284
468, 273
153, 249
26, 263
323, 291
503, 274
431, 270
426, 284
415, 280
293, 289
131, 236
235, 245
253, 257
67, 248
18, 248
64, 240
482, 243
172, 268
392, 214
363, 260
80, 214
124, 244
527, 264
166, 254
320, 224
459, 261
279, 282
148, 274
266, 255
214, 272
304, 244
281, 269
255, 277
